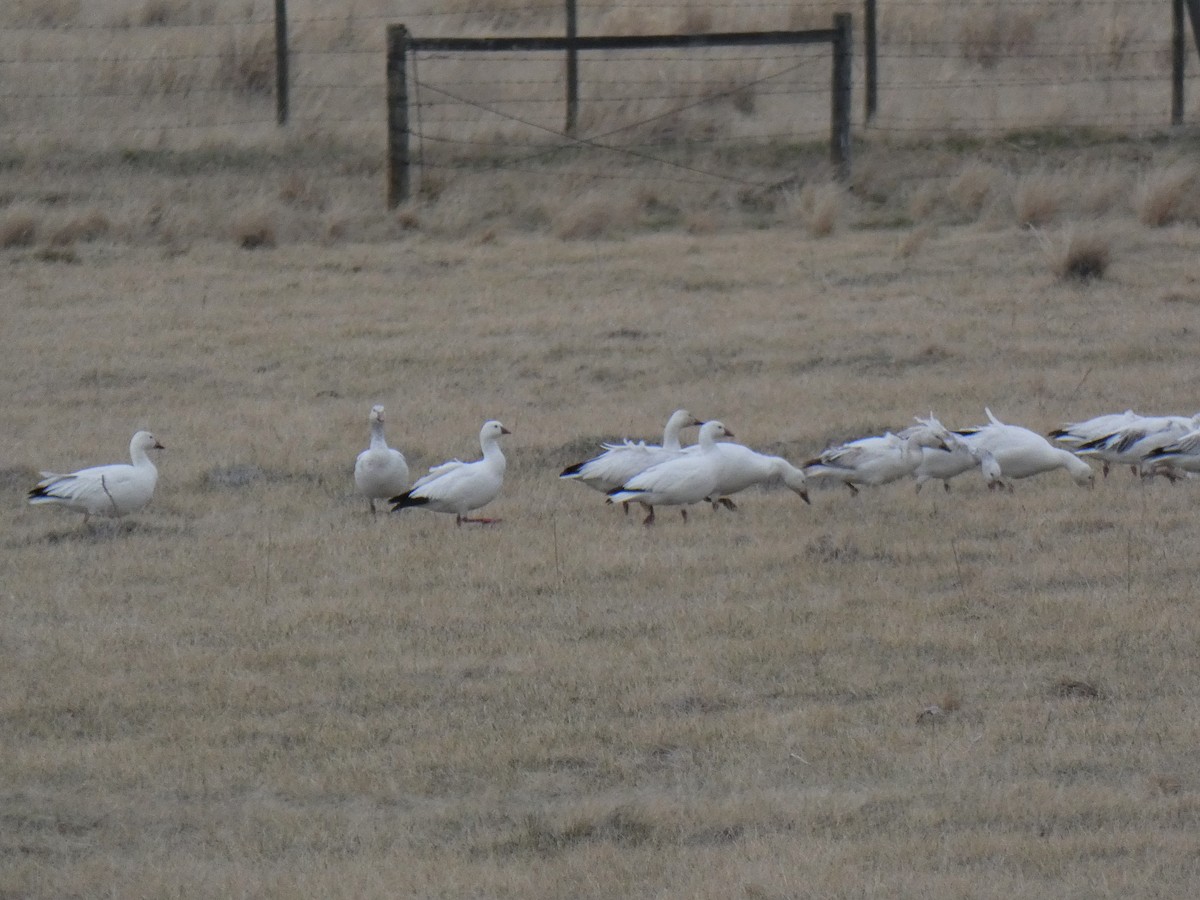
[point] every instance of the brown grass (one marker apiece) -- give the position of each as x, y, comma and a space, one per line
1080, 254
18, 227
1168, 195
253, 687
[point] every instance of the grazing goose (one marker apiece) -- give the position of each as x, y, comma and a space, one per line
1180, 456
620, 462
380, 471
687, 478
111, 491
957, 457
739, 467
458, 487
1021, 453
1075, 434
1129, 445
879, 459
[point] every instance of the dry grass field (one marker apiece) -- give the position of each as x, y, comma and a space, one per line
254, 688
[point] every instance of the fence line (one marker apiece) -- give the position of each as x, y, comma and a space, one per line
83, 84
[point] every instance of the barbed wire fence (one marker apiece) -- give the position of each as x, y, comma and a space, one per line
188, 76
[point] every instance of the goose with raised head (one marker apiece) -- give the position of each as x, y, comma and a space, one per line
685, 479
879, 459
112, 491
620, 462
1022, 453
460, 487
380, 471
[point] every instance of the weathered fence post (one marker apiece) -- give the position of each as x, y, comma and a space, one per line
870, 60
397, 103
281, 62
1178, 59
572, 70
840, 139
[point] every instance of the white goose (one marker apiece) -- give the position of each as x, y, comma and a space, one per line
1181, 455
1022, 453
1076, 434
620, 462
111, 491
458, 487
879, 459
380, 471
687, 478
957, 457
739, 467
1130, 444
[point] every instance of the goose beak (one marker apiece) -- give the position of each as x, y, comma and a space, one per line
158, 445
803, 492
504, 430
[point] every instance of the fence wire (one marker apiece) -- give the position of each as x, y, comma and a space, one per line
186, 75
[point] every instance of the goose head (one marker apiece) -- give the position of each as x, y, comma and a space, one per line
711, 430
143, 441
376, 414
492, 430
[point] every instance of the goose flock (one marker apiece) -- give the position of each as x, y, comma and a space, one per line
711, 470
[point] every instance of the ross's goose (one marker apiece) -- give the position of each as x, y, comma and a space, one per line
878, 459
1022, 453
620, 462
1179, 456
685, 479
380, 471
458, 487
739, 467
112, 491
953, 459
1130, 444
1076, 434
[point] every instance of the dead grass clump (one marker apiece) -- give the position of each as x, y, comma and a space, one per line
592, 215
176, 12
1168, 195
18, 228
1080, 255
255, 230
701, 221
912, 241
85, 226
1116, 38
972, 188
818, 207
695, 21
1038, 199
1073, 688
247, 65
45, 13
988, 37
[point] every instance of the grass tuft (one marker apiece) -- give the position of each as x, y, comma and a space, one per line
1080, 255
18, 228
1169, 195
255, 230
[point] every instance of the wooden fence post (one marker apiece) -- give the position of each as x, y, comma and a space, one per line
1178, 59
840, 138
281, 63
572, 70
871, 59
397, 103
